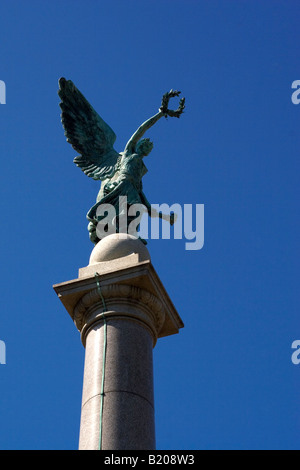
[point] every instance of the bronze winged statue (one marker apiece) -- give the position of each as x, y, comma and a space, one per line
120, 173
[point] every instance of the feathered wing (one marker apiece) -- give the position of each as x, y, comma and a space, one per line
88, 134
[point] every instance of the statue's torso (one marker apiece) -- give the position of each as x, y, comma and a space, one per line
134, 168
130, 168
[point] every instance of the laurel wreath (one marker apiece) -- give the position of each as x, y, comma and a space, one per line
165, 101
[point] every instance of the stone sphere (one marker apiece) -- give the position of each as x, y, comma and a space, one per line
117, 246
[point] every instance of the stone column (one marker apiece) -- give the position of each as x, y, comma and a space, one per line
121, 308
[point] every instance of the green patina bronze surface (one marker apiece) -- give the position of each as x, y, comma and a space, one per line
120, 173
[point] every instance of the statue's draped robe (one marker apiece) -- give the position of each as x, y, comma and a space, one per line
128, 183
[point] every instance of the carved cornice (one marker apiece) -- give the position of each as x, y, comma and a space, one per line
120, 299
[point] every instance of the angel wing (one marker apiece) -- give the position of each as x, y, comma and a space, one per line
88, 134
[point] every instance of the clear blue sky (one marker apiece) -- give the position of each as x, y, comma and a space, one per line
227, 380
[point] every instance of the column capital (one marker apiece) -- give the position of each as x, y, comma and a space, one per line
131, 289
121, 300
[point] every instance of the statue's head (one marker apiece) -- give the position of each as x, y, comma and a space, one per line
144, 147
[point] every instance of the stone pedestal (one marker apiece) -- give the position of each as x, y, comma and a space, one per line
120, 318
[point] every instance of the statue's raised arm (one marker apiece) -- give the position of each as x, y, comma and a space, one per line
134, 139
163, 111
